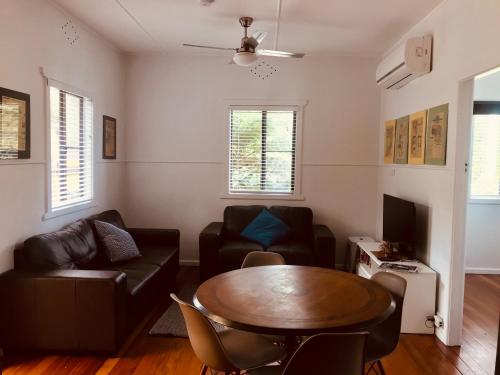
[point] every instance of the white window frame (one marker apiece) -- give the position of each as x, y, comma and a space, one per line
298, 107
477, 199
55, 212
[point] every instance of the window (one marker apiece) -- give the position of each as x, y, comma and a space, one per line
70, 150
262, 154
485, 151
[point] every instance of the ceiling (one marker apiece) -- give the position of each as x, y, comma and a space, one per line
322, 27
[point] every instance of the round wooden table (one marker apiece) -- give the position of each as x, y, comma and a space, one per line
293, 300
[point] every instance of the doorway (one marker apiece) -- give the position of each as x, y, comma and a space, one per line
476, 268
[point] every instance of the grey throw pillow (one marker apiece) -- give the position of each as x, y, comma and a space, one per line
118, 243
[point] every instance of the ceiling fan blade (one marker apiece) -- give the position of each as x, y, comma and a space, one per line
209, 47
268, 52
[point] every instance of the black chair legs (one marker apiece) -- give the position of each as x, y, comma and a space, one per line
377, 367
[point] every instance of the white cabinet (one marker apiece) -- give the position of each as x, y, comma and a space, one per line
420, 298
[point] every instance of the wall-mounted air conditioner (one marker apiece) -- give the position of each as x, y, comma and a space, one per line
406, 62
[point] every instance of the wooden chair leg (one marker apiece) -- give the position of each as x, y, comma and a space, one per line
380, 367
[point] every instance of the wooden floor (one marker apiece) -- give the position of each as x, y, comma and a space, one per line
415, 355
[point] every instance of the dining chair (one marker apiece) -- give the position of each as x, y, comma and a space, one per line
324, 354
230, 350
262, 258
384, 337
266, 258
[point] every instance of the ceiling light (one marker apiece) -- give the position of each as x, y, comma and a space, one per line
244, 58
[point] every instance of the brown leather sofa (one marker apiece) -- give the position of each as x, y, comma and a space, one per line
63, 294
223, 249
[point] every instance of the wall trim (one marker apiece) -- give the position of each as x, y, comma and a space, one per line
482, 271
372, 165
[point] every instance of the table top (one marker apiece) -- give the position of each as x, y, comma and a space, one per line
295, 300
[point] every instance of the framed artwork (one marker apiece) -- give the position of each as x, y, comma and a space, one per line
14, 125
437, 130
108, 137
401, 142
418, 125
389, 135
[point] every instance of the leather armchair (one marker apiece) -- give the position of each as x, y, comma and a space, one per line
221, 248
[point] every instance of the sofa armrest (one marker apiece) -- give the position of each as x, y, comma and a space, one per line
156, 237
210, 242
324, 246
63, 310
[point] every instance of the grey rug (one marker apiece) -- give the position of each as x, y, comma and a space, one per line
171, 323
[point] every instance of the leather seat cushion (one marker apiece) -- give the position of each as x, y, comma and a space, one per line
232, 253
138, 274
294, 252
157, 255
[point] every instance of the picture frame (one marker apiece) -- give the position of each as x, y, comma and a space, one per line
15, 131
389, 140
417, 132
108, 137
401, 140
437, 134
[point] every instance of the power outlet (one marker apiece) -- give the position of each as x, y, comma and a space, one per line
438, 321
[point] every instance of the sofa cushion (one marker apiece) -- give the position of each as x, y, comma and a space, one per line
110, 216
265, 229
118, 243
295, 252
72, 247
138, 274
232, 253
298, 219
157, 255
236, 218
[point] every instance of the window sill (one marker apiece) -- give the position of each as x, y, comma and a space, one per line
486, 200
68, 210
270, 197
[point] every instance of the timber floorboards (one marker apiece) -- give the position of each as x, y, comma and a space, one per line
415, 354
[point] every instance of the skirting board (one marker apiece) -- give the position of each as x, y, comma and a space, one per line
189, 263
483, 271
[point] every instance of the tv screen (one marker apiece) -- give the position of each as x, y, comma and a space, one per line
399, 223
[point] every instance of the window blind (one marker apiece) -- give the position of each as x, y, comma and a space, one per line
485, 163
70, 149
262, 151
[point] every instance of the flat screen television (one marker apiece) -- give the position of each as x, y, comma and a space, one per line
399, 224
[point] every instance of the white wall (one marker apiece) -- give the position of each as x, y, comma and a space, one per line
464, 33
31, 37
482, 254
177, 131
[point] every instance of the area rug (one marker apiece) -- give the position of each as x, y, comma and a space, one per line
171, 323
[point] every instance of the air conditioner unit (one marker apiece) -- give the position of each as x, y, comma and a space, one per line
408, 61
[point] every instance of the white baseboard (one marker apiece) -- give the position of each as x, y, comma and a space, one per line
484, 271
189, 262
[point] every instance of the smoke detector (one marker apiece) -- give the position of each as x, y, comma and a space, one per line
206, 3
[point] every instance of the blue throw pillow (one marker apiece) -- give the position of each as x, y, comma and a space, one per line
265, 229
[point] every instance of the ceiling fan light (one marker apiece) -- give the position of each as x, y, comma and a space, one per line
244, 58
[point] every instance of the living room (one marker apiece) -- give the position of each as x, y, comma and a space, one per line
168, 164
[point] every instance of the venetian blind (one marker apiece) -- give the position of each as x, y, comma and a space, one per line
262, 151
70, 149
485, 163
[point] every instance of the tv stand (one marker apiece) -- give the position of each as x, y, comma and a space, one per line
420, 298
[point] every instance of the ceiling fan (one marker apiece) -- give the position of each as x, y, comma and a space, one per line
248, 53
